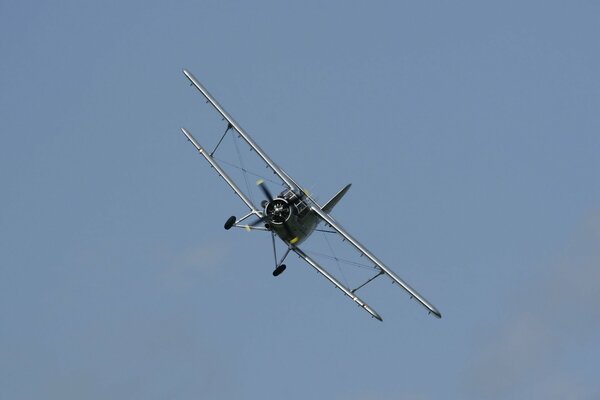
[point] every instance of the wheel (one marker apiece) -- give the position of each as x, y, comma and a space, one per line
229, 223
279, 270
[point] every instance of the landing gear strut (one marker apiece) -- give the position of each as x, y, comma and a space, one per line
279, 267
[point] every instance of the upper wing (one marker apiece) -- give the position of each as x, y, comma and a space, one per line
270, 163
338, 228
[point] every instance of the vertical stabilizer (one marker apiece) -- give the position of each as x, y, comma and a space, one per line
335, 199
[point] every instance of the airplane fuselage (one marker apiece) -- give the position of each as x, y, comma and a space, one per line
290, 217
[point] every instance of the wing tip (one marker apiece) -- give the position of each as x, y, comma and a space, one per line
373, 313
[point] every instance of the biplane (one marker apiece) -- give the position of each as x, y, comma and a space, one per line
293, 215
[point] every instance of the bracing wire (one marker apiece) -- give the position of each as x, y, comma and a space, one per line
246, 171
337, 260
237, 149
342, 260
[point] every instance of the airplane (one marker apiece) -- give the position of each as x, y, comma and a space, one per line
293, 215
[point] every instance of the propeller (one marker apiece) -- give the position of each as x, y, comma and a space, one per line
277, 210
265, 190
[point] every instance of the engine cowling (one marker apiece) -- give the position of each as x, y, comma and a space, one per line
278, 211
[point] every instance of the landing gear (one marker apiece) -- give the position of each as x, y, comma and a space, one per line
279, 266
229, 223
279, 270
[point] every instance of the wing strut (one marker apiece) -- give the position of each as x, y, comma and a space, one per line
220, 140
343, 288
368, 281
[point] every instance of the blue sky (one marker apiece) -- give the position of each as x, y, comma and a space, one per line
470, 132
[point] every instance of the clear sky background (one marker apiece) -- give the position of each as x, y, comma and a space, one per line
471, 134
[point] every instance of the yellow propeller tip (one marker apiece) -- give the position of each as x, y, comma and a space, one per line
260, 181
294, 240
247, 227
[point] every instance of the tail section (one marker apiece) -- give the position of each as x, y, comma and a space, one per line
335, 199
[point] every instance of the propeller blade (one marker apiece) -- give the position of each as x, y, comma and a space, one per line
265, 190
